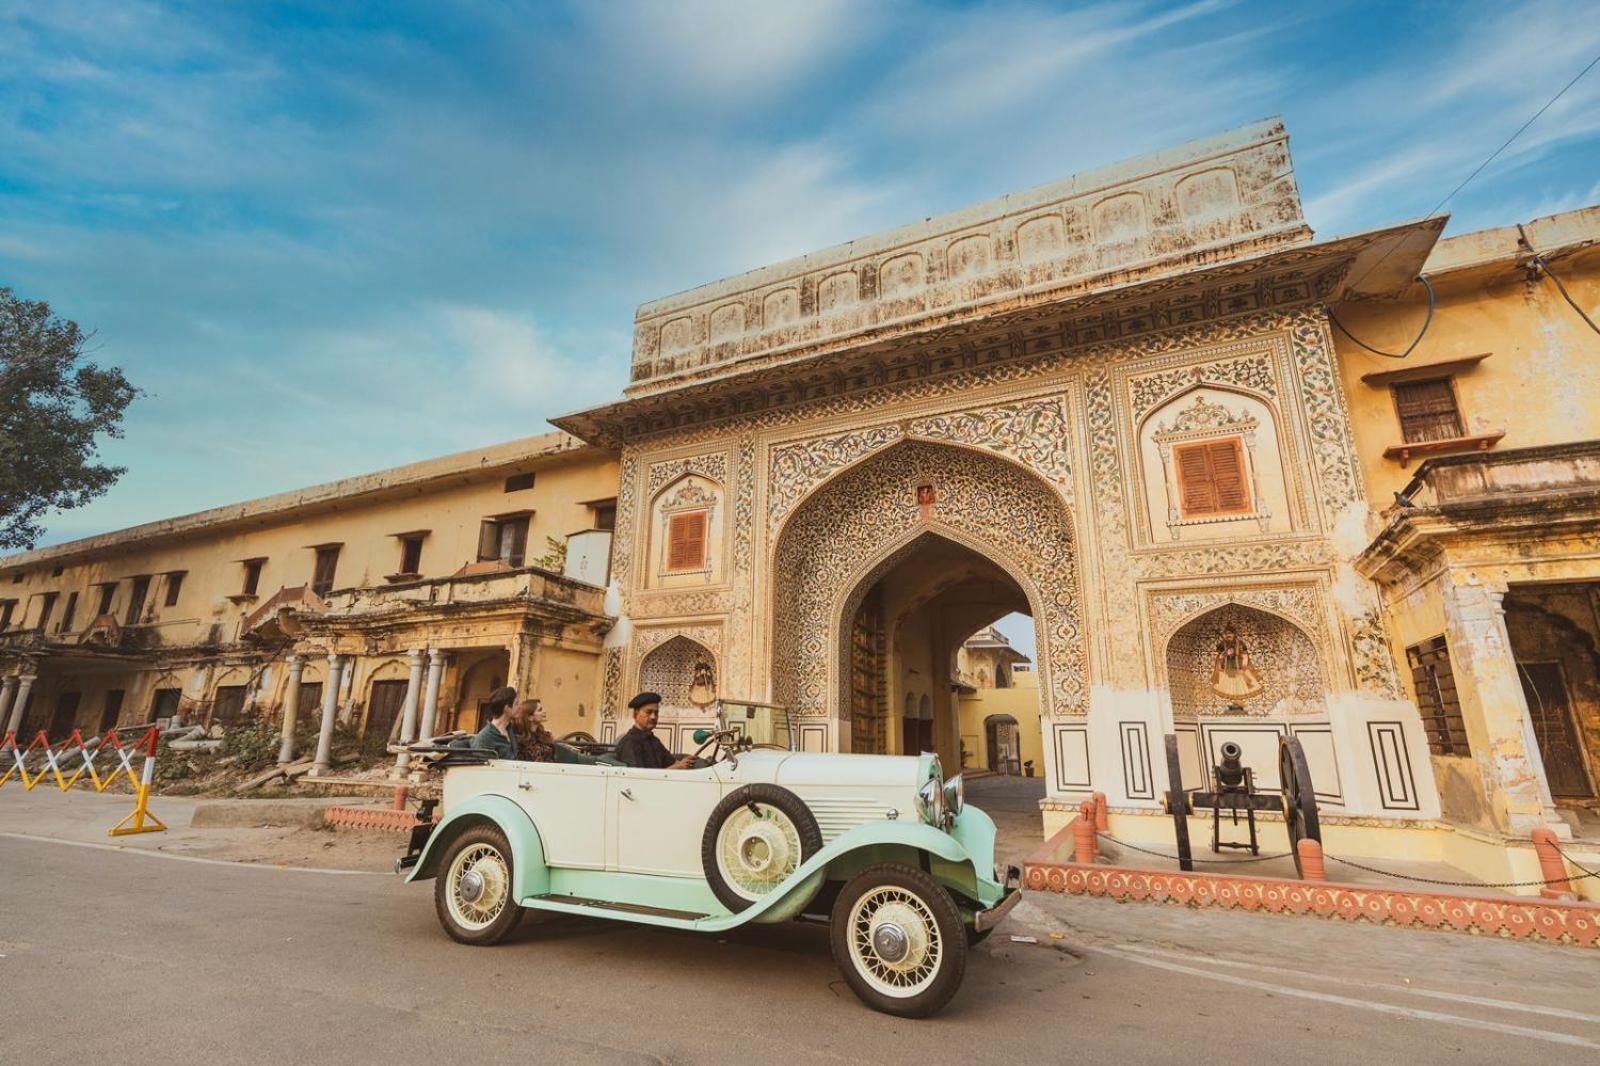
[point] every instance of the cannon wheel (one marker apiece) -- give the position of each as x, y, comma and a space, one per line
1299, 799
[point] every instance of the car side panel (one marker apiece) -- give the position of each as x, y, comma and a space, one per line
661, 817
568, 804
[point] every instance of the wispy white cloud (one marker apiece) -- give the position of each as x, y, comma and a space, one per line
338, 243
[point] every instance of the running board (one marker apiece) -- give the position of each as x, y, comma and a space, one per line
578, 904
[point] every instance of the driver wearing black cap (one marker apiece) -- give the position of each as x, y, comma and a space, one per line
640, 746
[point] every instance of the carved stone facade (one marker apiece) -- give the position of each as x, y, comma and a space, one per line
1034, 436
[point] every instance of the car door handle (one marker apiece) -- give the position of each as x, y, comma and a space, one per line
626, 794
525, 784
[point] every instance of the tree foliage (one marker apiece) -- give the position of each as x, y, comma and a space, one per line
54, 405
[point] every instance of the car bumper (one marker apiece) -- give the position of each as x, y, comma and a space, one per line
983, 921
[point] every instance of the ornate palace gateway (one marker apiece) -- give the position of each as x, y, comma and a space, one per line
1111, 404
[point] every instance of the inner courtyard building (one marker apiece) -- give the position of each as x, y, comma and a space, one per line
1129, 407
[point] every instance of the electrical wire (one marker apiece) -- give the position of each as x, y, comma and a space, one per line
1423, 332
1543, 265
1450, 196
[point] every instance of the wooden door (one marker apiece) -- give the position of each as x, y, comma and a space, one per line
383, 708
868, 712
1550, 704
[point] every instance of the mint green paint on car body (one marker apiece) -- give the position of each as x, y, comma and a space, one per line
530, 875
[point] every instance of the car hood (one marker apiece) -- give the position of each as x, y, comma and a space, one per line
800, 769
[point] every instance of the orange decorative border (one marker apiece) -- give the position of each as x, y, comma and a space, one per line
372, 818
1522, 918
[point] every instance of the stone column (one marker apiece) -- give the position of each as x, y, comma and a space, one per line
408, 711
430, 706
291, 709
19, 705
1493, 706
330, 708
8, 692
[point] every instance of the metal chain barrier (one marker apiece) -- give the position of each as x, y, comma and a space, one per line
1468, 884
1208, 862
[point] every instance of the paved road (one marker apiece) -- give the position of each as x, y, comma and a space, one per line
108, 951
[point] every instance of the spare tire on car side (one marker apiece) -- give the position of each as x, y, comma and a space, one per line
756, 837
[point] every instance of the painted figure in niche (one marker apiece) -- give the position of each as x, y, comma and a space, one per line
703, 688
1232, 675
925, 500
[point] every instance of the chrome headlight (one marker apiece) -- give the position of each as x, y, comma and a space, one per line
955, 795
930, 803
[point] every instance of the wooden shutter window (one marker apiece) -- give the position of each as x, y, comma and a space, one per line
1211, 478
686, 541
1428, 411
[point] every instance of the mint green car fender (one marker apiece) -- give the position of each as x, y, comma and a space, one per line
855, 850
530, 874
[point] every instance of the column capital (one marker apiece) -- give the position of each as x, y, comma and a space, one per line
295, 659
333, 658
416, 655
9, 681
437, 655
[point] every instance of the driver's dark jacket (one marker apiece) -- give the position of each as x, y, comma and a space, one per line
644, 749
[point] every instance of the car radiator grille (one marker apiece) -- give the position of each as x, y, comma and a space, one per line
835, 816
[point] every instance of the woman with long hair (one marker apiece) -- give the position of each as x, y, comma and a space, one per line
534, 741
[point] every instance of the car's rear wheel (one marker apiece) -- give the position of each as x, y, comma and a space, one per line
755, 838
472, 893
899, 940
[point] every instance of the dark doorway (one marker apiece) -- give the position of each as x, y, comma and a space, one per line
383, 708
1000, 731
165, 703
227, 706
65, 716
868, 713
1544, 684
111, 711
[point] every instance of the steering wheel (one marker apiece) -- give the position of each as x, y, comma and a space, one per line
716, 739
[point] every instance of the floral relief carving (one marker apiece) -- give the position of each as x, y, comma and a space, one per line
794, 469
984, 501
1034, 431
611, 689
1149, 391
1300, 603
647, 640
682, 603
744, 505
622, 541
713, 466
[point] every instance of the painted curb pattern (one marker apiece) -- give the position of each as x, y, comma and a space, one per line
372, 818
1517, 918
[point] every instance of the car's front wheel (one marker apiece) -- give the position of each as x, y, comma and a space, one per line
472, 893
899, 940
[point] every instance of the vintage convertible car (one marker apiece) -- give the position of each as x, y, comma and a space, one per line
880, 845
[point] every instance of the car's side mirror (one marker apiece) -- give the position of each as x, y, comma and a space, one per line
702, 735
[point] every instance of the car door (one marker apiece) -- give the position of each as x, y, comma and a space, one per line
568, 805
660, 816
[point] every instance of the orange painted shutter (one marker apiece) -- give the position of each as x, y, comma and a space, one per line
1211, 478
1227, 475
686, 541
1194, 481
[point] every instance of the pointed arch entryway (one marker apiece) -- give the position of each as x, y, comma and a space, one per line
848, 533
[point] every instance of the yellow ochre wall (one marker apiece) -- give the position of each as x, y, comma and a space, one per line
1021, 701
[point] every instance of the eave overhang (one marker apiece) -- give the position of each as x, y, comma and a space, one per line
1376, 264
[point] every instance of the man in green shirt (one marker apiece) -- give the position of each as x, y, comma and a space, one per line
497, 735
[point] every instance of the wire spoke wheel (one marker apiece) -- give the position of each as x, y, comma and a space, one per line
758, 846
474, 894
480, 885
895, 942
756, 838
898, 937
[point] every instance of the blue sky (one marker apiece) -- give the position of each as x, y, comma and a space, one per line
328, 239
